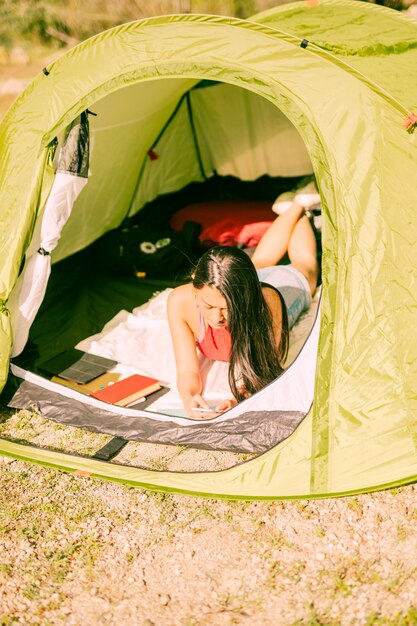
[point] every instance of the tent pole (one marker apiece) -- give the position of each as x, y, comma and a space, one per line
194, 133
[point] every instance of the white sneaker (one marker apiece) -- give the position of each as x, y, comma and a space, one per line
283, 202
306, 196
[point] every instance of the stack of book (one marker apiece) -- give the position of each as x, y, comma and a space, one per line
88, 374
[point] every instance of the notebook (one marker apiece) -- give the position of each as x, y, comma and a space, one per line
128, 390
80, 367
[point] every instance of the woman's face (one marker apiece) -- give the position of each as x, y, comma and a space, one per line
212, 306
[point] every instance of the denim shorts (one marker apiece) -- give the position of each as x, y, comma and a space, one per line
292, 285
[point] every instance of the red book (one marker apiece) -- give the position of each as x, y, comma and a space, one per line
128, 390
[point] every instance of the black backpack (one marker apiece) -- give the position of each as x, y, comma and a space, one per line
146, 251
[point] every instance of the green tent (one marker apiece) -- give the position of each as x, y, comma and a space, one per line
344, 74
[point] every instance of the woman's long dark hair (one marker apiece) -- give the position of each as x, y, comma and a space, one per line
255, 359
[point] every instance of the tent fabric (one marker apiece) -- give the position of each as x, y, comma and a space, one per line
345, 93
71, 178
379, 45
259, 126
247, 149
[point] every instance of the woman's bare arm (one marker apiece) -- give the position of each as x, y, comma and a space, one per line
188, 374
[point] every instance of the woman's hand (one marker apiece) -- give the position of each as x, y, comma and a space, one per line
195, 406
196, 401
225, 405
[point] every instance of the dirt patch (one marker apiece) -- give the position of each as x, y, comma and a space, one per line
80, 551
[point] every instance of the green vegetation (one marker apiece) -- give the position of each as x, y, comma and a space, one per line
66, 23
400, 619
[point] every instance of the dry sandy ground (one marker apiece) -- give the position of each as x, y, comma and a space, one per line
80, 551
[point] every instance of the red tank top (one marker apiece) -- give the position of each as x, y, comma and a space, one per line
216, 344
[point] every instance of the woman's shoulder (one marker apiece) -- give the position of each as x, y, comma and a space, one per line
183, 292
181, 298
182, 308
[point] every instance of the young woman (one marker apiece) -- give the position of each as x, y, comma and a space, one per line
240, 310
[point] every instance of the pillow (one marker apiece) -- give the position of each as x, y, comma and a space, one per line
208, 213
228, 233
228, 222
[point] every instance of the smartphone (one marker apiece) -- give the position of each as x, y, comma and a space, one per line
209, 409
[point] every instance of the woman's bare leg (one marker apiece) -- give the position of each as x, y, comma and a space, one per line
291, 232
275, 242
302, 251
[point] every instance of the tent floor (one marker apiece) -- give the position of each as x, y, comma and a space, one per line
78, 303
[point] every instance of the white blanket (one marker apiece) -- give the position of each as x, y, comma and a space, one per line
140, 341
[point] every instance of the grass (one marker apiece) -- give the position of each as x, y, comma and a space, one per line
399, 619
